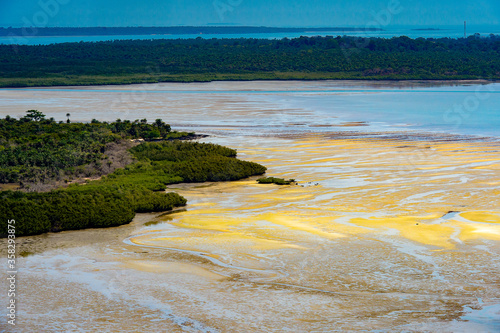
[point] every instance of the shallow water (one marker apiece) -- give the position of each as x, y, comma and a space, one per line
272, 107
389, 232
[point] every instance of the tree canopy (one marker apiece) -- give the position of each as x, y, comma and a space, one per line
127, 61
39, 150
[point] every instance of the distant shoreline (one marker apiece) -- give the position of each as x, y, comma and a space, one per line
187, 30
248, 59
436, 81
430, 29
239, 78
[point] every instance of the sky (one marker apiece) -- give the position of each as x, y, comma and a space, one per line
277, 13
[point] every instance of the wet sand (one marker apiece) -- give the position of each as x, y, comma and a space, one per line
364, 242
388, 232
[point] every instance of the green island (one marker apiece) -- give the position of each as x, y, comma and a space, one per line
60, 176
277, 181
203, 60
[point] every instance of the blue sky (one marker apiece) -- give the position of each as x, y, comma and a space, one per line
246, 12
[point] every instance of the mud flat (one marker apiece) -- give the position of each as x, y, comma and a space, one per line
379, 234
385, 231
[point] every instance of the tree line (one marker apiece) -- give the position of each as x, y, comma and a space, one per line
36, 149
32, 145
127, 61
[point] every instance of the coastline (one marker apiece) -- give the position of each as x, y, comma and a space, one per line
398, 248
374, 81
392, 229
291, 99
267, 77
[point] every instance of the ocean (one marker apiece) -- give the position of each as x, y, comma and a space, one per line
451, 31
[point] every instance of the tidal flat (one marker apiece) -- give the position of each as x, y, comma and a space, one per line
386, 230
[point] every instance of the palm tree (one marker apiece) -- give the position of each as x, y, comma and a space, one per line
68, 115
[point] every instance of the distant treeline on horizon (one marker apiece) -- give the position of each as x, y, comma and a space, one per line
180, 30
203, 60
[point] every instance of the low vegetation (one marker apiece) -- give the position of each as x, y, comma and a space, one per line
116, 197
277, 181
36, 150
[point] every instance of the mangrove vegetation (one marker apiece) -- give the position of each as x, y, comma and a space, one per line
36, 150
274, 180
311, 58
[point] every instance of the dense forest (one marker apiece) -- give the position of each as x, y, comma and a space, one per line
179, 30
34, 146
140, 61
34, 149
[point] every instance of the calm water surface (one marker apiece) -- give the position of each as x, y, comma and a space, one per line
384, 234
466, 108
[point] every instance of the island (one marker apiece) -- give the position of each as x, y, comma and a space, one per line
203, 60
63, 176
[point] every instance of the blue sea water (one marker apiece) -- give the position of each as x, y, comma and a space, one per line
452, 31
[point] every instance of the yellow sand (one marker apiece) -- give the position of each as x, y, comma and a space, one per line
346, 188
162, 267
481, 217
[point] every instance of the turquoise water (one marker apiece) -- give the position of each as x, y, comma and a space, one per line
388, 32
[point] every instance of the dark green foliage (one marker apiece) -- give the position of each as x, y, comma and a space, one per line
277, 181
114, 199
34, 115
72, 209
34, 149
179, 151
145, 201
28, 214
170, 162
141, 129
69, 209
195, 162
80, 206
136, 61
215, 169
